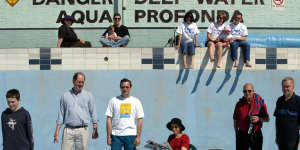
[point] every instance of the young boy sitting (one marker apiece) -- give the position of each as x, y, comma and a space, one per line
16, 124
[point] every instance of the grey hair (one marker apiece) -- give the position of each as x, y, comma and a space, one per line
287, 79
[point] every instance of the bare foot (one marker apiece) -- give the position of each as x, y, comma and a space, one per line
219, 66
235, 64
186, 67
248, 64
191, 66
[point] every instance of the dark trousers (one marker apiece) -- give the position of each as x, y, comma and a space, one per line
244, 141
288, 144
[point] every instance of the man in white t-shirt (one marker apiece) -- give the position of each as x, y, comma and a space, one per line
124, 119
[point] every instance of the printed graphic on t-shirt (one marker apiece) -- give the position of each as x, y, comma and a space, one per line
236, 32
125, 110
189, 31
11, 123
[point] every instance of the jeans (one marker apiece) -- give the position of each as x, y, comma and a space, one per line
245, 49
187, 48
123, 42
78, 137
119, 141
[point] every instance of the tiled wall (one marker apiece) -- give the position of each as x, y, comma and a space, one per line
138, 59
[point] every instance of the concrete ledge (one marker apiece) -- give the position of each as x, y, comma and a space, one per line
139, 59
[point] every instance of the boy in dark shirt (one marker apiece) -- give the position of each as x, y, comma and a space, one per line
16, 124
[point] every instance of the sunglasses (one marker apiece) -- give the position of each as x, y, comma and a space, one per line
247, 91
237, 18
123, 87
117, 18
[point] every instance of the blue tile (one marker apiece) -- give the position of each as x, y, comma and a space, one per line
169, 61
56, 61
282, 61
270, 61
158, 66
271, 53
271, 67
158, 51
34, 61
146, 61
44, 55
45, 61
260, 61
158, 61
45, 50
45, 67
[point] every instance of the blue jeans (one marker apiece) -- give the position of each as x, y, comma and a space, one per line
245, 49
123, 42
123, 141
187, 48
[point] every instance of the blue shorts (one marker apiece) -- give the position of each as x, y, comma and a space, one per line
123, 141
188, 48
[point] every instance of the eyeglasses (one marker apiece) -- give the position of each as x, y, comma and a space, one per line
123, 87
247, 91
117, 18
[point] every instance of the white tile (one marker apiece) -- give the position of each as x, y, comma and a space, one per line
3, 67
282, 50
78, 61
91, 67
67, 67
34, 67
33, 50
293, 61
113, 67
124, 56
260, 56
147, 66
135, 66
282, 67
136, 51
102, 67
56, 67
66, 61
169, 66
124, 61
113, 51
3, 51
67, 56
147, 53
125, 67
101, 62
79, 66
90, 61
101, 56
292, 67
260, 67
260, 51
102, 50
67, 51
92, 51
90, 56
79, 51
56, 50
124, 50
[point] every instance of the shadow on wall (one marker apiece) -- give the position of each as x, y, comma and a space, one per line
228, 69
